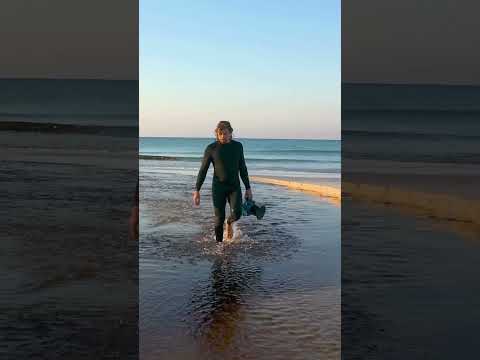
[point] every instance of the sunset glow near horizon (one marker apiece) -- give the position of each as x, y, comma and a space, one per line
271, 69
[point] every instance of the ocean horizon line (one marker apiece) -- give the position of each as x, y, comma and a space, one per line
239, 138
354, 82
65, 78
405, 83
64, 114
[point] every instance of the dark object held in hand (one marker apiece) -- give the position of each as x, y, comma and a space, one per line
250, 208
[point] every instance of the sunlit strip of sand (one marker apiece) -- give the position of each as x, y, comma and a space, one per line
442, 206
331, 193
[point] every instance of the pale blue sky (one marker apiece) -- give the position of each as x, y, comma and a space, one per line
271, 68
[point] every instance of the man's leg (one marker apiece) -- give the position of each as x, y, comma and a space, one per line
235, 201
219, 202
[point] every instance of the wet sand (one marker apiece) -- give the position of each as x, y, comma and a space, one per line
408, 276
409, 253
68, 273
445, 197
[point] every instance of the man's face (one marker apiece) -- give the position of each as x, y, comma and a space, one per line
224, 135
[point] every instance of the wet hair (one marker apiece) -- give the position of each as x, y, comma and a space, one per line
223, 125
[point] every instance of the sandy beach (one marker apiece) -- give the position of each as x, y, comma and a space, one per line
443, 196
330, 193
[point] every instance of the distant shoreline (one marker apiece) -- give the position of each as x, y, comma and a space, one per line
405, 84
62, 79
412, 110
64, 115
157, 157
20, 126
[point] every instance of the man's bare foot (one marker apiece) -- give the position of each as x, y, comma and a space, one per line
229, 231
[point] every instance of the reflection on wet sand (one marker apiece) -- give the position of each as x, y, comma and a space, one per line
220, 309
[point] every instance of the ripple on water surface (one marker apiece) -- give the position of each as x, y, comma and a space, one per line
268, 293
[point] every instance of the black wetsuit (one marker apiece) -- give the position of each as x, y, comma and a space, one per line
228, 161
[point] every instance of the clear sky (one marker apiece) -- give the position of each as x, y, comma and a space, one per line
271, 68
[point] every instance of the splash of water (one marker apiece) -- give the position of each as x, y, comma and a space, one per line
240, 242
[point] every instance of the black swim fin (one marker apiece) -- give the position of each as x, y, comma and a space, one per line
260, 212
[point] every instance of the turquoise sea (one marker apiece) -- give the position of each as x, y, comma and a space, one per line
317, 160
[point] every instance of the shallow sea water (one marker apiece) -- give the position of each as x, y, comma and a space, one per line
273, 292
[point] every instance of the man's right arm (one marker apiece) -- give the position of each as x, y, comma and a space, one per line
202, 173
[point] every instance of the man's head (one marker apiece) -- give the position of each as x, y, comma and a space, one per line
223, 132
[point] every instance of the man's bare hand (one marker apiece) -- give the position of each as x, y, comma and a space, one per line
248, 194
196, 198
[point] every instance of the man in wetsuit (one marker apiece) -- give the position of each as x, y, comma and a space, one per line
228, 161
